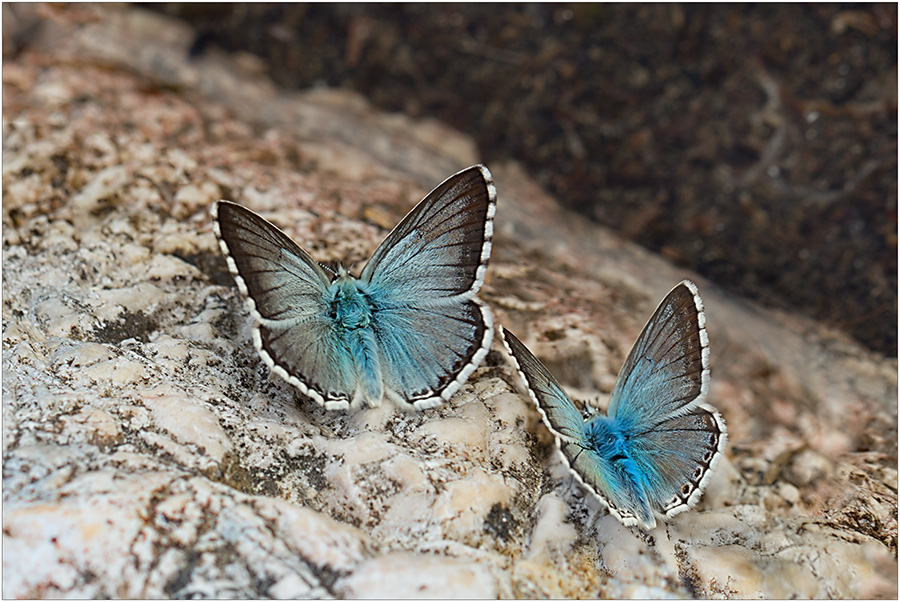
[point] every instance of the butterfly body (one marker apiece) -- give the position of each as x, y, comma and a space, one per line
351, 315
409, 329
652, 455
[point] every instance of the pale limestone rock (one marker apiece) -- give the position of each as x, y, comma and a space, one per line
404, 575
148, 454
188, 422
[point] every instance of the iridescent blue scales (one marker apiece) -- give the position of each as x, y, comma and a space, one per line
409, 329
652, 454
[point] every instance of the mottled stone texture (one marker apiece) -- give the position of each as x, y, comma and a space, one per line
147, 453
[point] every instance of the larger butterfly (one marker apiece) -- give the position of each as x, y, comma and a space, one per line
651, 456
409, 329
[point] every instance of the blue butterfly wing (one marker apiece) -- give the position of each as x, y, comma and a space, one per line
583, 445
677, 456
667, 370
559, 413
428, 352
287, 294
432, 330
441, 248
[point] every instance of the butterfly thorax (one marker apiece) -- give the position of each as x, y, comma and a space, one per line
349, 308
608, 438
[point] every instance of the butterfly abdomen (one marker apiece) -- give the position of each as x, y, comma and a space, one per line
363, 348
610, 438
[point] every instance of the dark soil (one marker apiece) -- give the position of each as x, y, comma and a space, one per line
754, 144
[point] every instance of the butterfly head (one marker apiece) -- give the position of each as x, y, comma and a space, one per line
342, 273
588, 410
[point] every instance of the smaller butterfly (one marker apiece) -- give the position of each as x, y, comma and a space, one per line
409, 329
653, 453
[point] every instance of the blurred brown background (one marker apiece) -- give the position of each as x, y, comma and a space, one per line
756, 144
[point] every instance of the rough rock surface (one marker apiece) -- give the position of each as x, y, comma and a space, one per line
146, 452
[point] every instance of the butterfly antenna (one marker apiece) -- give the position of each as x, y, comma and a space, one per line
329, 268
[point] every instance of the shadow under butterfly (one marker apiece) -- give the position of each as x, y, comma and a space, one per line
652, 454
409, 329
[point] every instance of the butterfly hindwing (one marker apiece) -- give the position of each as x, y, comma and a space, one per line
678, 457
430, 351
612, 482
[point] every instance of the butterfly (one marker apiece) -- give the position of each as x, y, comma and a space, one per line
652, 454
409, 329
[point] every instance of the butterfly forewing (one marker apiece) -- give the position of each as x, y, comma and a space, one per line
442, 246
560, 414
667, 370
269, 268
286, 292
